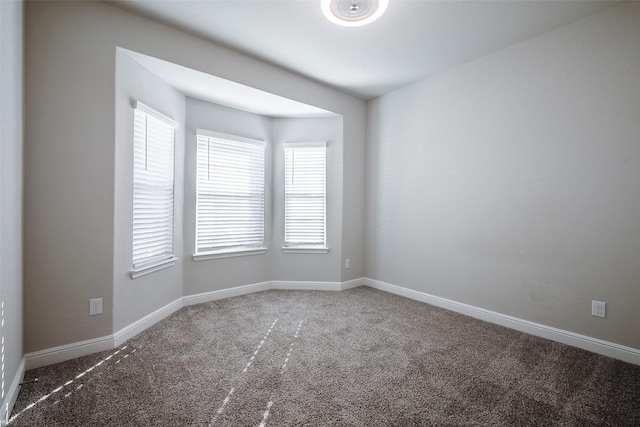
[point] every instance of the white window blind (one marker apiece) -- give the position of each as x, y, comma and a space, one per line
230, 193
153, 173
305, 194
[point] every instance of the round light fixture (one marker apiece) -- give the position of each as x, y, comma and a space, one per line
353, 13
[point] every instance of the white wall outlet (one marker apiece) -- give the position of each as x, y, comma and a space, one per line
599, 309
347, 263
95, 306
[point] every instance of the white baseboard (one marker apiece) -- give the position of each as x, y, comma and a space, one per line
617, 351
49, 356
307, 286
62, 353
274, 284
317, 286
12, 394
84, 348
350, 284
225, 293
147, 321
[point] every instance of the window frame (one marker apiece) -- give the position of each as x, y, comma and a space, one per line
306, 247
146, 265
201, 254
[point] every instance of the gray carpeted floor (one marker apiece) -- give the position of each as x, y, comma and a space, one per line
355, 358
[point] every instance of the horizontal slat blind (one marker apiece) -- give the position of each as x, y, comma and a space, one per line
230, 195
153, 171
305, 194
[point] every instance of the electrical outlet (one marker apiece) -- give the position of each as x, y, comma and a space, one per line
347, 263
95, 306
599, 309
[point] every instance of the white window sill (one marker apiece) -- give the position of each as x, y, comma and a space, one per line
228, 254
152, 268
305, 250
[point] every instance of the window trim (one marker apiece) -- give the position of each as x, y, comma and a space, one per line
305, 248
151, 266
239, 251
137, 105
228, 254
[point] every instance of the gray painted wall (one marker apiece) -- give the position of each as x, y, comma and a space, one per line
134, 299
74, 202
210, 275
512, 183
309, 267
69, 159
353, 194
11, 157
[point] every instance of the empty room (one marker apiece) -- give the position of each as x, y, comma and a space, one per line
319, 212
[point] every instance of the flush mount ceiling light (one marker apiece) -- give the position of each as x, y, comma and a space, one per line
353, 13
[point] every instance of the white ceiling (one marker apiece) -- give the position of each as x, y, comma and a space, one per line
415, 39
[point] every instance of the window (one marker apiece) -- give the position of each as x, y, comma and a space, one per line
229, 196
153, 155
305, 197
